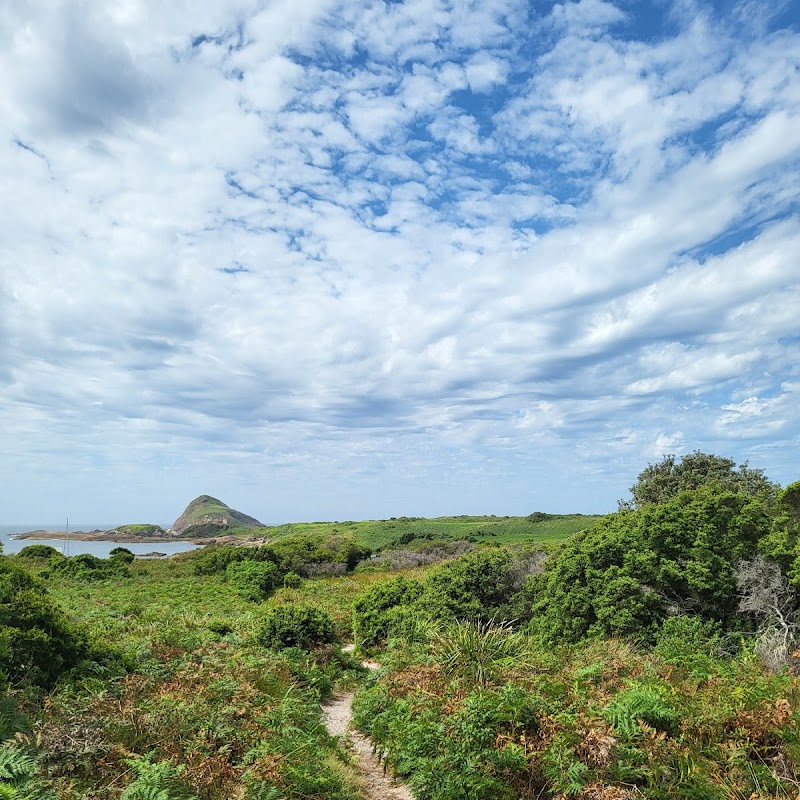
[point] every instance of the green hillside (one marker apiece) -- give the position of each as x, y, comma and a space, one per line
207, 516
377, 534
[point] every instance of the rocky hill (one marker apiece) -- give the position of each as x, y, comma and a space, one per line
207, 516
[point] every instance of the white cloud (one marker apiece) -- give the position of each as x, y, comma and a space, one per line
397, 251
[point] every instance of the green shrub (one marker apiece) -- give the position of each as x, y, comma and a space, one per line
479, 652
478, 586
37, 641
220, 626
636, 568
39, 551
291, 580
122, 555
253, 580
155, 781
296, 626
378, 611
88, 568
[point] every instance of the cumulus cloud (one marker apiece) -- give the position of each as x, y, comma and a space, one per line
371, 259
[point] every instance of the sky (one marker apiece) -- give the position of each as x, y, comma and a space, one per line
335, 260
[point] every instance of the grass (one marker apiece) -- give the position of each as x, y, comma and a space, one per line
377, 534
200, 691
465, 710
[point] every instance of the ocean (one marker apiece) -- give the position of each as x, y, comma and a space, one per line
73, 547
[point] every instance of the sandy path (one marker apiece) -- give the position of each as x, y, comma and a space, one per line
338, 718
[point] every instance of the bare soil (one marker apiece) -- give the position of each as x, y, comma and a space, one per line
378, 783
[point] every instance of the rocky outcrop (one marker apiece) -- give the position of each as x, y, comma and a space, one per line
208, 514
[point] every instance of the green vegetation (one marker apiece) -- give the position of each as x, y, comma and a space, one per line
402, 531
491, 715
296, 626
207, 516
649, 653
140, 530
635, 568
37, 642
662, 481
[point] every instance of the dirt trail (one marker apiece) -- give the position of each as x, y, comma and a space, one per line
338, 717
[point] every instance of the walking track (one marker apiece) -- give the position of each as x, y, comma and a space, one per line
378, 784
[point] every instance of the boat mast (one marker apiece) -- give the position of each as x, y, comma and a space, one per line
66, 539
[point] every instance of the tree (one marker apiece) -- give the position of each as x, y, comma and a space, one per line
37, 641
660, 482
783, 543
765, 593
636, 568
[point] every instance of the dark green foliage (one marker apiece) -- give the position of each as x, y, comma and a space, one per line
291, 580
662, 481
299, 743
639, 704
624, 577
540, 516
591, 721
88, 568
214, 559
253, 580
477, 586
37, 642
378, 613
451, 757
783, 543
298, 555
144, 529
122, 555
19, 770
39, 551
296, 626
12, 721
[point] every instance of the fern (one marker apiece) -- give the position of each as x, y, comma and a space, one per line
16, 763
155, 781
11, 720
18, 774
625, 711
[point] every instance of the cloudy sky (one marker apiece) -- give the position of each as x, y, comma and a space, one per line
333, 259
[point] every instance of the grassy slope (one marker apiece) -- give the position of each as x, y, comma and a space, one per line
380, 533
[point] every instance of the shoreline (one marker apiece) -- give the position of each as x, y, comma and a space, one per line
129, 538
104, 536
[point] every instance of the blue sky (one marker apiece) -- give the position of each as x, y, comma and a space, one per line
341, 260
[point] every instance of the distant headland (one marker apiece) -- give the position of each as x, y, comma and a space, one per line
204, 519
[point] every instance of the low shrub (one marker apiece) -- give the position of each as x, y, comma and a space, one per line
42, 552
88, 568
296, 626
378, 611
253, 580
37, 641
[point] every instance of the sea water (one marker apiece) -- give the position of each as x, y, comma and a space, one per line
74, 547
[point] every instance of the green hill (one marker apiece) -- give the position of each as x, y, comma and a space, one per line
207, 516
378, 534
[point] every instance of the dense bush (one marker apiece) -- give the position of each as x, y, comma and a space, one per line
665, 480
379, 611
783, 543
301, 555
296, 626
121, 555
635, 568
37, 641
599, 722
42, 552
87, 568
479, 586
253, 580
